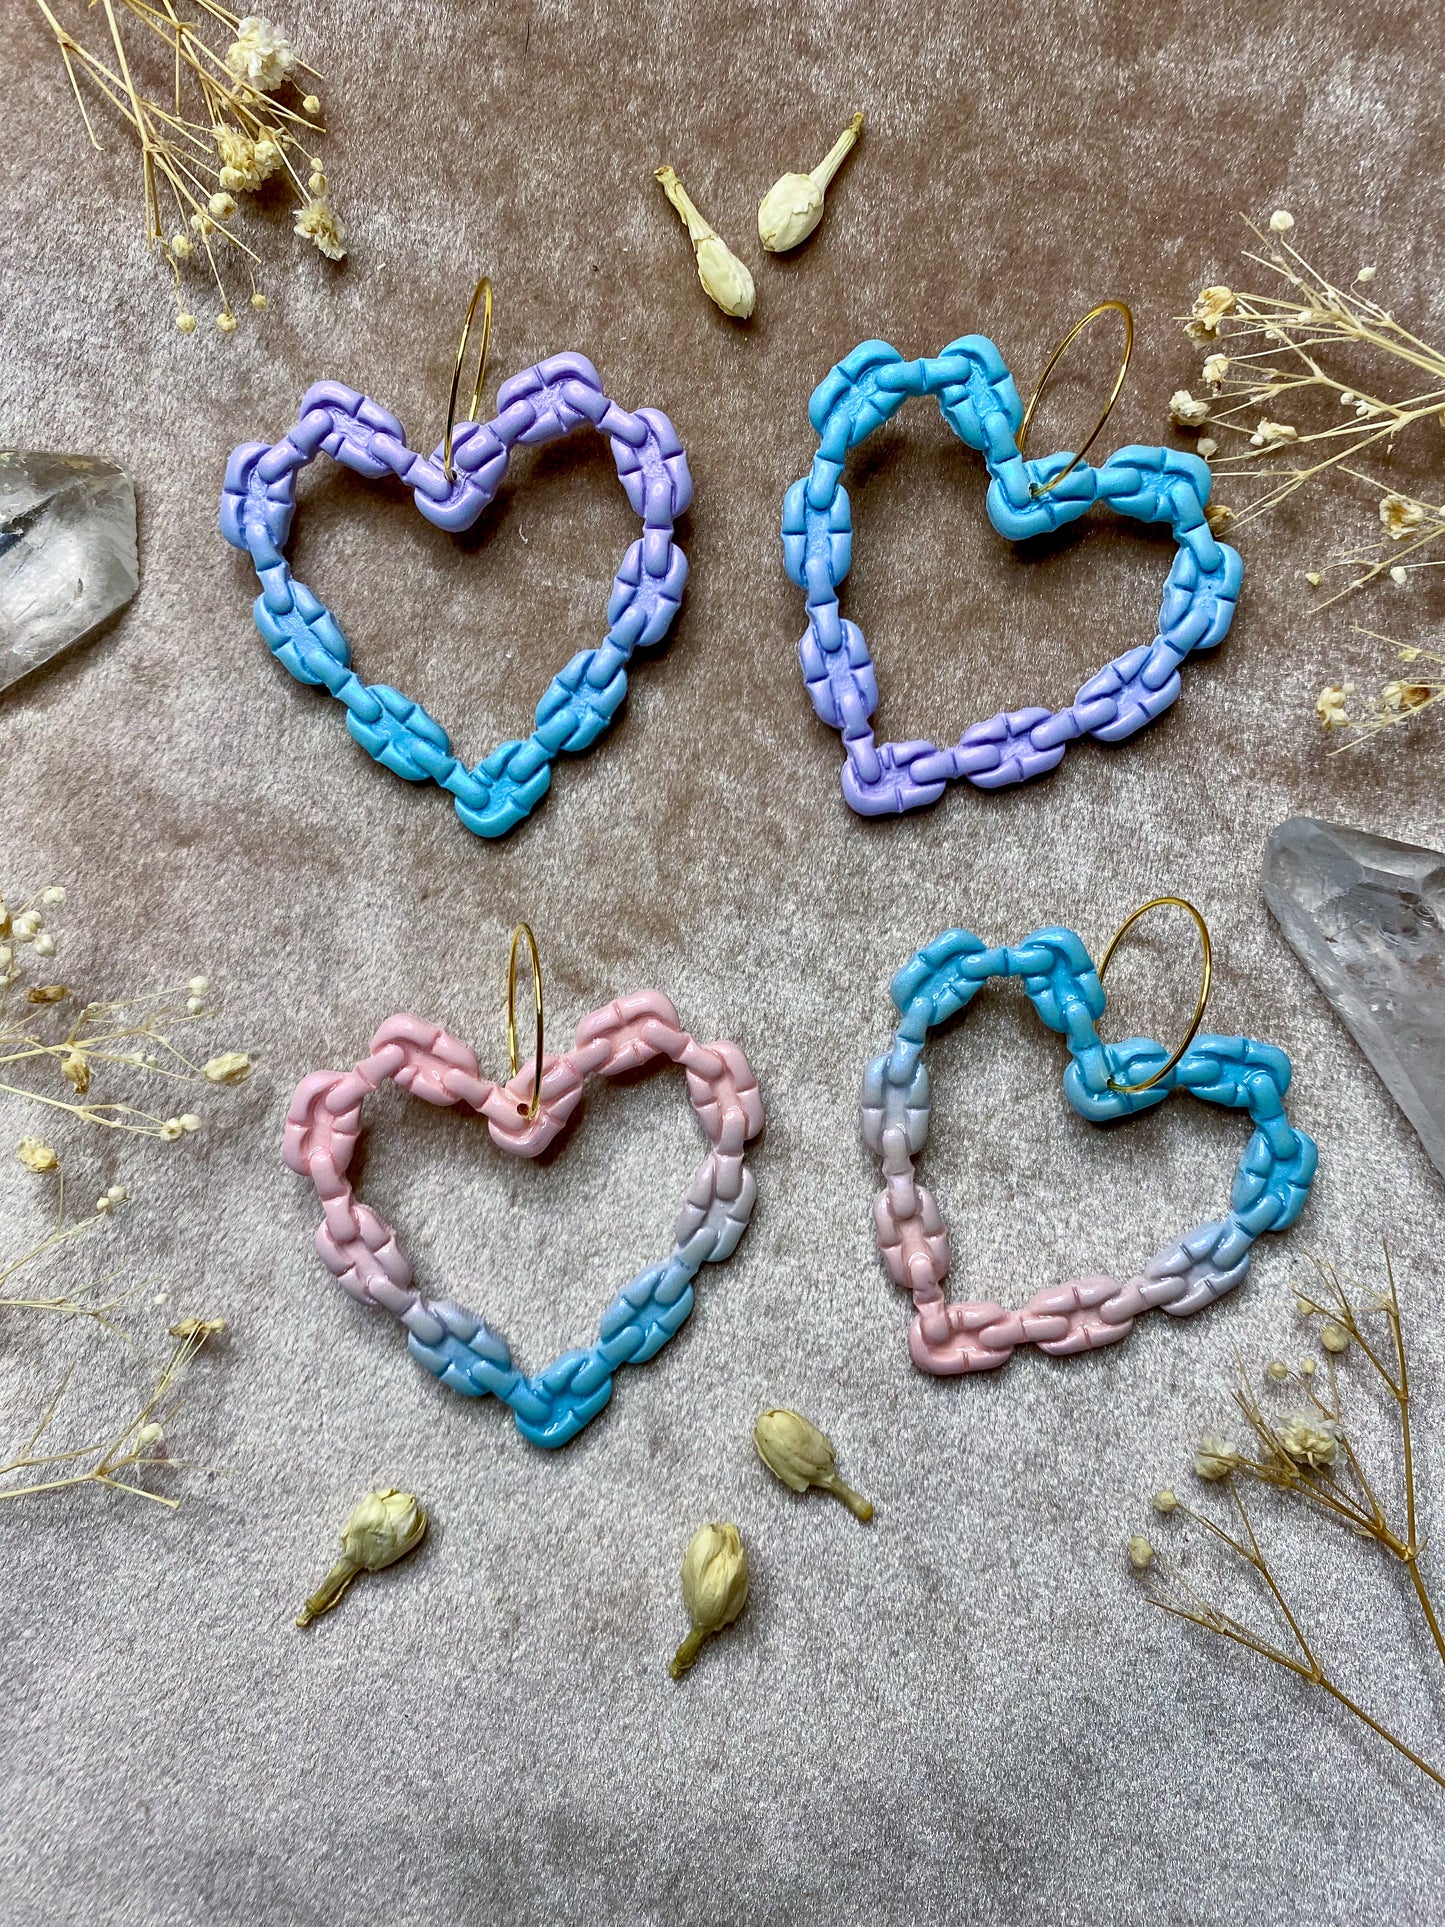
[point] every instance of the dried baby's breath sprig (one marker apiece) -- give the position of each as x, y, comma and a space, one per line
1308, 1456
1310, 342
724, 278
47, 1028
120, 1458
793, 206
211, 122
1397, 701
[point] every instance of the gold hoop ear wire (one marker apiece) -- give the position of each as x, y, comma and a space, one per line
483, 293
1207, 978
1104, 307
524, 931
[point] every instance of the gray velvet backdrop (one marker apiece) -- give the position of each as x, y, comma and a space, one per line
965, 1711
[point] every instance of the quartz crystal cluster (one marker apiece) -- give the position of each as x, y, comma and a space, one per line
1366, 916
67, 554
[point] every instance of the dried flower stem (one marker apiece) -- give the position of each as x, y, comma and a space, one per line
1297, 331
1333, 1485
106, 1461
194, 162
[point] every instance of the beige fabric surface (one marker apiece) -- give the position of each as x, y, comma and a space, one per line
964, 1711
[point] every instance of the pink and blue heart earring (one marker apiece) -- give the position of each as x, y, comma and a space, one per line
523, 1116
980, 403
1104, 1083
452, 487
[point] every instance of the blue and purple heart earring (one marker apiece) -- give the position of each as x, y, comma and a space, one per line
452, 487
980, 403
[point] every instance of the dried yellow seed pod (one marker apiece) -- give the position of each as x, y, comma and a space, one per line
793, 206
714, 1588
383, 1528
793, 1448
724, 278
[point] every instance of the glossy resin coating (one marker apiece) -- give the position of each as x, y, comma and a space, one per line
536, 406
365, 1255
976, 393
1270, 1185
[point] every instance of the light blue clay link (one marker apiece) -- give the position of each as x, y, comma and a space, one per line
537, 406
1271, 1183
977, 396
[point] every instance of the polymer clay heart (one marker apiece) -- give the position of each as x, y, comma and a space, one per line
542, 403
980, 403
364, 1253
1269, 1191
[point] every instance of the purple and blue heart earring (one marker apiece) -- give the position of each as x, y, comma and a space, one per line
451, 488
980, 403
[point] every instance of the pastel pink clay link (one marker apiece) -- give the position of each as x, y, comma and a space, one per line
324, 1121
978, 1336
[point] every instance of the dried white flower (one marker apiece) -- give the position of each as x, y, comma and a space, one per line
198, 986
27, 926
1216, 367
1334, 1338
1166, 1502
36, 1155
1399, 575
1367, 274
1310, 1440
1207, 447
316, 222
1186, 411
1211, 305
45, 944
1270, 434
188, 1121
222, 206
1141, 1553
52, 896
1330, 706
383, 1527
171, 1130
1399, 515
1215, 1458
186, 323
1277, 1370
1313, 577
150, 1434
117, 1194
793, 206
1280, 222
231, 1067
724, 278
260, 54
226, 322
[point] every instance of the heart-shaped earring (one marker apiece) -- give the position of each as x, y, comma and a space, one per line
524, 1115
451, 488
1103, 1082
979, 402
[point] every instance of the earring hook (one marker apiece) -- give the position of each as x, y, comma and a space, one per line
1120, 307
483, 293
1206, 980
524, 931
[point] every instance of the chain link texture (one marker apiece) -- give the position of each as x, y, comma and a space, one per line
363, 1252
1270, 1185
979, 402
539, 405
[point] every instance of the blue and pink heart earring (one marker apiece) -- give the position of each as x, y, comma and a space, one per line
1104, 1083
980, 403
451, 488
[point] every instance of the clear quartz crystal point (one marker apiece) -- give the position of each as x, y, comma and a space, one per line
67, 553
1366, 916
